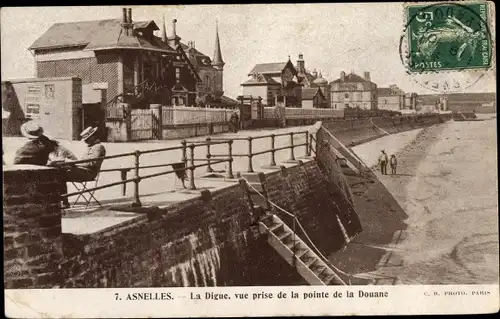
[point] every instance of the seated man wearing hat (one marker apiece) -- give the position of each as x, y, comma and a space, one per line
36, 151
83, 171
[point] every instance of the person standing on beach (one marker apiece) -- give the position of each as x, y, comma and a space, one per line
394, 163
383, 163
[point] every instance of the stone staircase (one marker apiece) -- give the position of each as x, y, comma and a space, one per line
296, 252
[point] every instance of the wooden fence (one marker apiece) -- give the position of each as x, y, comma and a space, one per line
303, 114
270, 113
114, 113
194, 115
317, 114
141, 124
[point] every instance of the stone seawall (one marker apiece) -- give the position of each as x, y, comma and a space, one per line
193, 243
210, 240
338, 137
357, 131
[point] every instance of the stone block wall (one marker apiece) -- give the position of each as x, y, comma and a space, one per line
357, 131
199, 242
317, 202
32, 227
209, 240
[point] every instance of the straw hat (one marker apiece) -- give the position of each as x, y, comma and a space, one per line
88, 132
31, 130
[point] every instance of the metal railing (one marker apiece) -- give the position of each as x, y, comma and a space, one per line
272, 150
189, 160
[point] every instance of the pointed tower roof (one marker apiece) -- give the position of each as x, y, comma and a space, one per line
163, 30
217, 60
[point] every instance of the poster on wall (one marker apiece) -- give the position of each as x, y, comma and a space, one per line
32, 102
49, 92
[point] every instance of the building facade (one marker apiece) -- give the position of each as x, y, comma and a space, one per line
410, 101
132, 62
211, 71
313, 98
275, 83
312, 79
322, 83
391, 98
123, 54
353, 91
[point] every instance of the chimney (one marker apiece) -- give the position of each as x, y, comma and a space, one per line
163, 31
124, 22
367, 76
173, 40
127, 26
342, 76
301, 64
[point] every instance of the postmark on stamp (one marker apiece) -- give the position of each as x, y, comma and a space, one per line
448, 36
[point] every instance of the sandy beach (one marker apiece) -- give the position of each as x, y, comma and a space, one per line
441, 224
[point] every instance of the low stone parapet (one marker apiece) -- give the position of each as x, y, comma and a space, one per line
32, 226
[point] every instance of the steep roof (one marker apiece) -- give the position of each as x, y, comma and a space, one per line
320, 80
352, 77
261, 80
307, 78
97, 35
195, 51
228, 101
383, 91
268, 68
200, 59
217, 52
309, 93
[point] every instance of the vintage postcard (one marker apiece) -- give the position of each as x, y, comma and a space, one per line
250, 160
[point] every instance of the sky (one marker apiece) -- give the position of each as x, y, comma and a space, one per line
336, 37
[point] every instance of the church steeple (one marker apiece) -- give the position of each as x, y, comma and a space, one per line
217, 60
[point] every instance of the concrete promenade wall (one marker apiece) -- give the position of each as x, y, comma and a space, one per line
357, 131
210, 240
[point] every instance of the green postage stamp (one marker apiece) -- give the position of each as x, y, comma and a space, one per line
448, 36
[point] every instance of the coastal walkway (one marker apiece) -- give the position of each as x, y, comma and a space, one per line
167, 188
